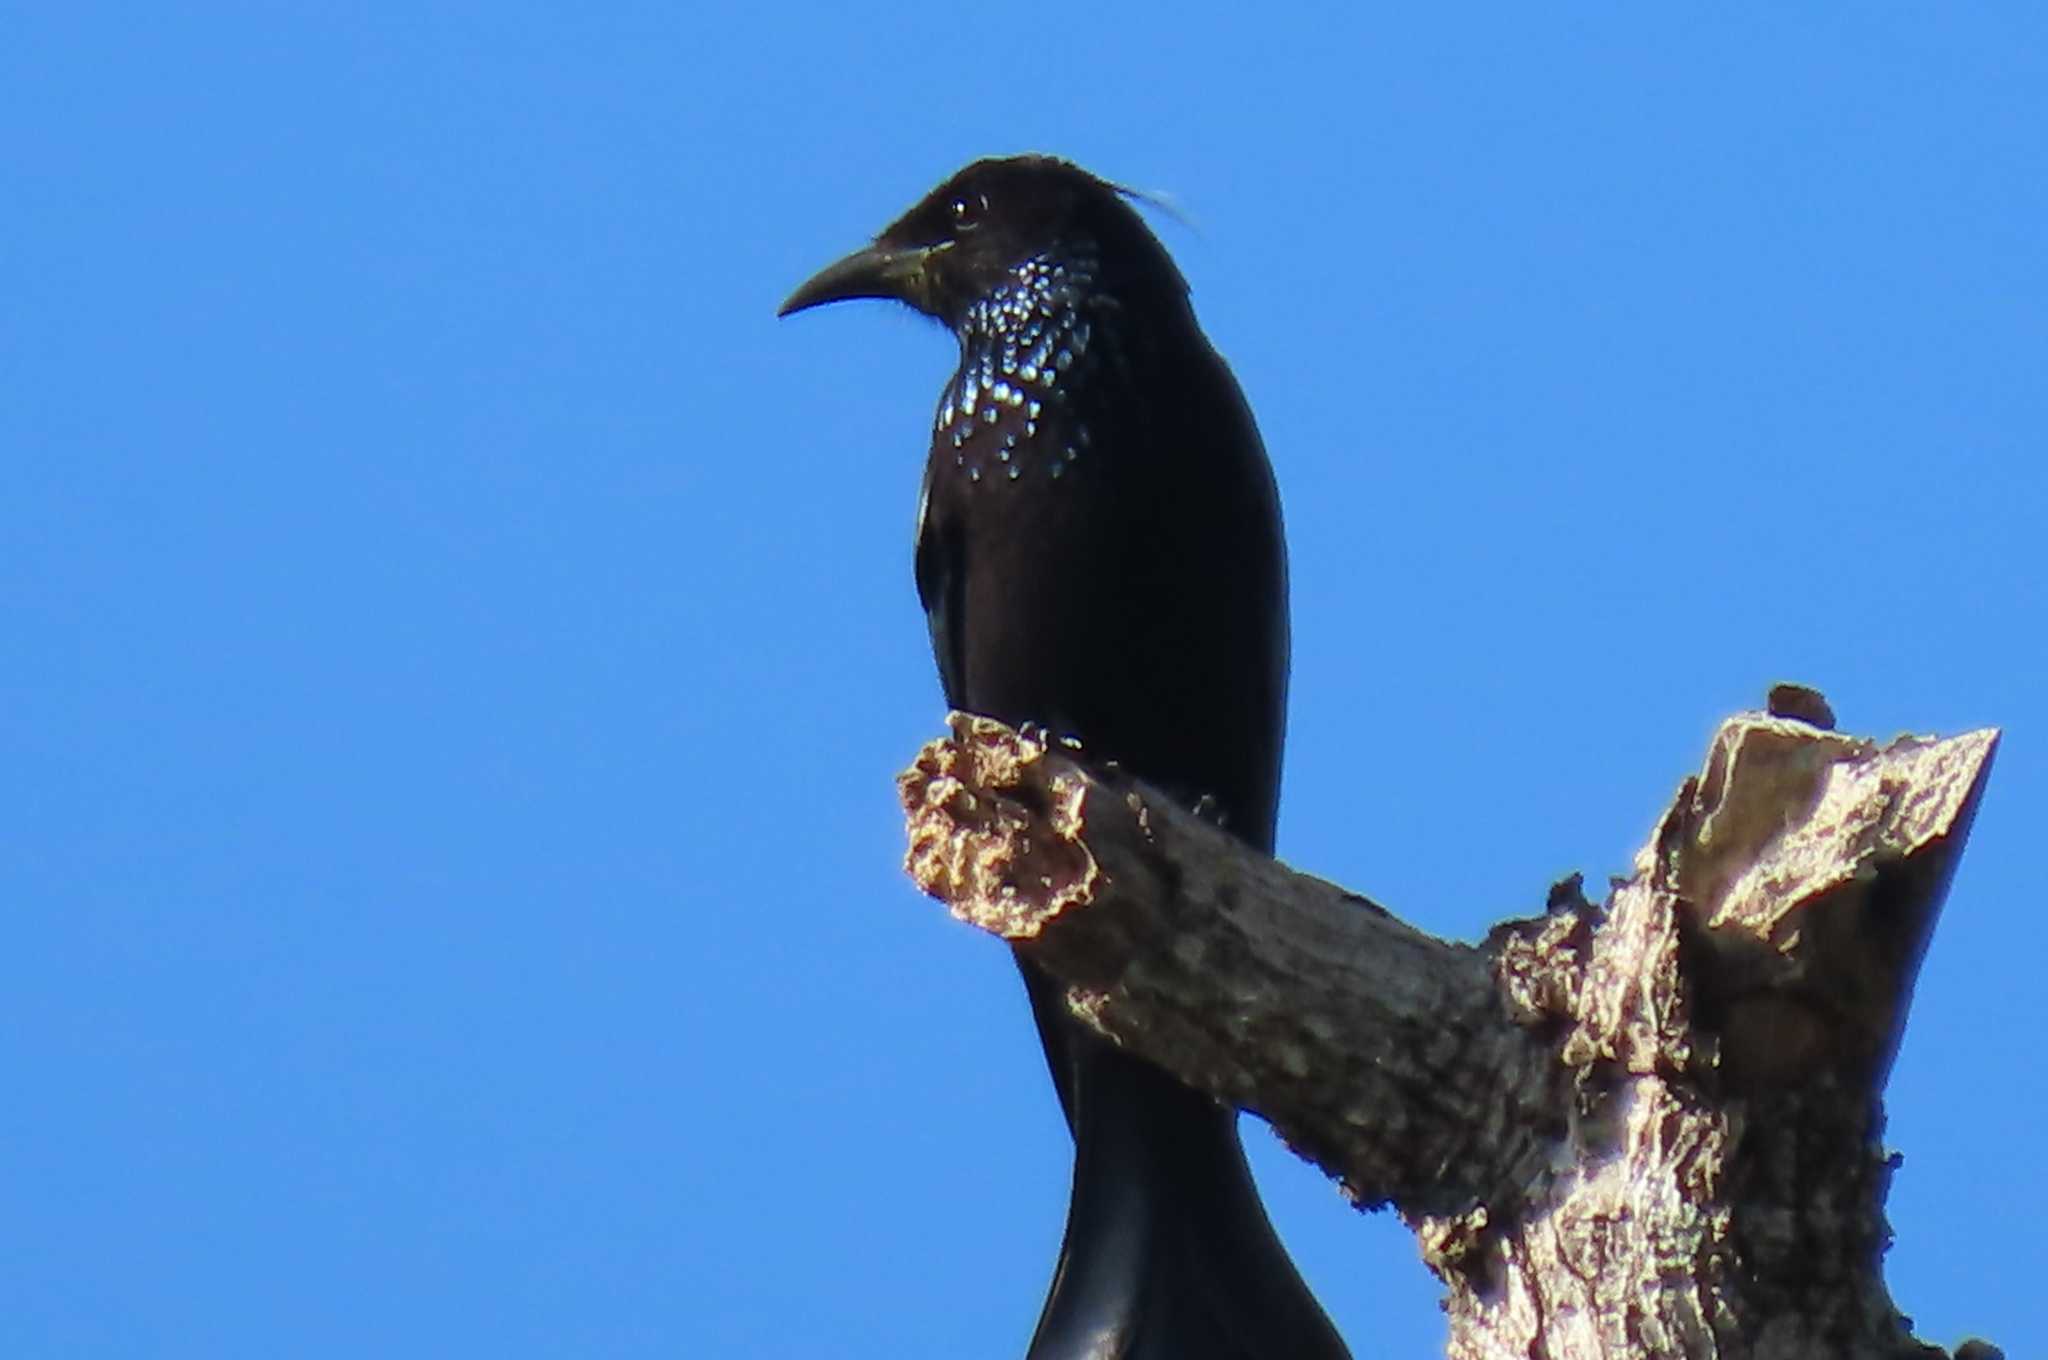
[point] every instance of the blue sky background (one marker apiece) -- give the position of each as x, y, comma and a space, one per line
459, 642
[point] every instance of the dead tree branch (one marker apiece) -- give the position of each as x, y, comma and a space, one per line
1643, 1129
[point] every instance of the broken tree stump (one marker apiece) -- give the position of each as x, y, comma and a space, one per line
1650, 1127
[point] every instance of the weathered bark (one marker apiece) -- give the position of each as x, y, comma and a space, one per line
1645, 1129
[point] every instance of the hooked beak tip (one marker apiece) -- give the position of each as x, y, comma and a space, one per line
871, 272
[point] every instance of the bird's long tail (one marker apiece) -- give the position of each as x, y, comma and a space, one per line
1168, 1254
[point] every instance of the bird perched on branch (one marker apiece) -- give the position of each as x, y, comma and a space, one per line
1099, 551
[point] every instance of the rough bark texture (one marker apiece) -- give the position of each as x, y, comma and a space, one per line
1644, 1129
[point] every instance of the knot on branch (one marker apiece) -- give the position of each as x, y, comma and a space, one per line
995, 829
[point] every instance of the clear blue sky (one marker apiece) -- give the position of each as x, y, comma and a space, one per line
459, 642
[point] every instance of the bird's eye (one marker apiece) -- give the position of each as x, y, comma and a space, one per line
967, 211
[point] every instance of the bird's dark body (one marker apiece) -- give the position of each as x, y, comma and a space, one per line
1099, 551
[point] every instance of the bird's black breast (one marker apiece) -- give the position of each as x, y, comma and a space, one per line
1099, 547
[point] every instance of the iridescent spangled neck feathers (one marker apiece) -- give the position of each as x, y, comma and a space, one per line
1026, 346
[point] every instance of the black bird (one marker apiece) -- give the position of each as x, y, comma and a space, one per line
1099, 551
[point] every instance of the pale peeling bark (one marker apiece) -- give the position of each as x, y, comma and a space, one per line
1645, 1129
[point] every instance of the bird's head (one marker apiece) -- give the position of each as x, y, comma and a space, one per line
966, 238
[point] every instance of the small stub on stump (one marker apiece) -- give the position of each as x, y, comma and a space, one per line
1800, 702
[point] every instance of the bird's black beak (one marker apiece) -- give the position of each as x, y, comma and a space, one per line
876, 272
